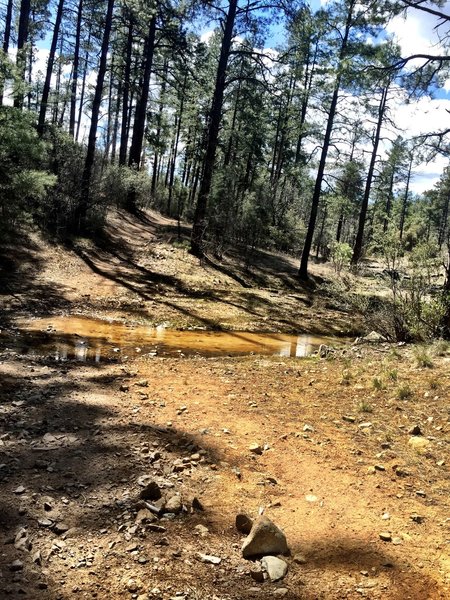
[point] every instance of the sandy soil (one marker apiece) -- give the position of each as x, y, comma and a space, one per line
340, 463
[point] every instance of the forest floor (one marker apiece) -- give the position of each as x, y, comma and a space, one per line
353, 448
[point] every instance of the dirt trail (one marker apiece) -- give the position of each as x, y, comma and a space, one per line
78, 442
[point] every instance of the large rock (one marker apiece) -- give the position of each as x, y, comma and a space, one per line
275, 567
264, 538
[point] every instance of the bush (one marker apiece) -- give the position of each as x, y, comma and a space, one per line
24, 180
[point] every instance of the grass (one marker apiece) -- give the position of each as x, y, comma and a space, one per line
378, 384
365, 407
392, 374
404, 392
440, 347
423, 359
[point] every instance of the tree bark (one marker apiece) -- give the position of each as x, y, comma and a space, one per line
303, 270
82, 208
76, 63
357, 250
140, 116
215, 116
126, 95
6, 39
22, 38
50, 63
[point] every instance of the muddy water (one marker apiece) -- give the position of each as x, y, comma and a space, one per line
95, 340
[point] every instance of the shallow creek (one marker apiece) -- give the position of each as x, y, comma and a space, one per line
96, 340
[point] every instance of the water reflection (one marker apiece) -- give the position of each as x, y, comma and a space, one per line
85, 339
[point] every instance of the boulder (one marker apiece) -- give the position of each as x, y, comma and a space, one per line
265, 538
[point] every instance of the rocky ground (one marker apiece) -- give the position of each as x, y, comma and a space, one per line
123, 479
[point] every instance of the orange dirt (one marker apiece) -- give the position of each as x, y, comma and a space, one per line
337, 467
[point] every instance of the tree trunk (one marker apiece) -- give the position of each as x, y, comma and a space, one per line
303, 270
405, 199
6, 39
357, 250
22, 38
388, 207
48, 74
126, 95
82, 208
83, 87
215, 116
76, 63
140, 116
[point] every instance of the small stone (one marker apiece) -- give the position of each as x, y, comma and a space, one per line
307, 427
132, 547
280, 592
201, 530
243, 523
197, 505
300, 559
380, 468
133, 585
385, 536
255, 449
60, 528
417, 518
421, 493
124, 387
144, 516
311, 498
365, 425
257, 575
174, 505
37, 558
16, 566
265, 538
20, 490
151, 491
349, 418
45, 522
208, 558
419, 444
415, 430
276, 567
396, 541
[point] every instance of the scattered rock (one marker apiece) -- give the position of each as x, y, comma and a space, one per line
280, 592
311, 498
276, 567
265, 538
174, 505
16, 566
417, 518
257, 574
415, 430
151, 491
300, 559
197, 505
374, 337
208, 558
60, 528
419, 444
348, 418
385, 536
19, 490
243, 523
144, 516
256, 449
201, 530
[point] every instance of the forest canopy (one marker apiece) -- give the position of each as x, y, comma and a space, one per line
266, 125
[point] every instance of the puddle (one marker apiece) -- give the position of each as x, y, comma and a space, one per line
93, 340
